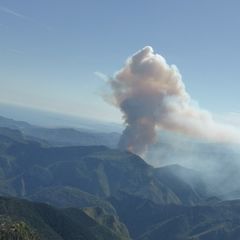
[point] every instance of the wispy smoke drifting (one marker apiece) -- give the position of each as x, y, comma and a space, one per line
151, 96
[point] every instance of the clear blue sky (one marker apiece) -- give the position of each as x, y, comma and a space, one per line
50, 49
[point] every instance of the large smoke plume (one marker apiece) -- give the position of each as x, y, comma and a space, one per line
151, 95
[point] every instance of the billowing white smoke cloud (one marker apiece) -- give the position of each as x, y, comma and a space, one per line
151, 96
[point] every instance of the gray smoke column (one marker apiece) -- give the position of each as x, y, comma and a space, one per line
152, 96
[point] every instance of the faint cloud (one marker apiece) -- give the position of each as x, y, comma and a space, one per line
12, 12
101, 76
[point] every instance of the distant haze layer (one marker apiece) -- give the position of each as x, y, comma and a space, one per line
55, 120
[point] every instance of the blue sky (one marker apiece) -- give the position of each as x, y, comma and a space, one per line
50, 49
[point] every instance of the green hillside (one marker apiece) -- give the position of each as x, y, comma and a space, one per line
27, 168
30, 220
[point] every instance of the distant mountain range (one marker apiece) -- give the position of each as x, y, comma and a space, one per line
49, 119
97, 192
61, 136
